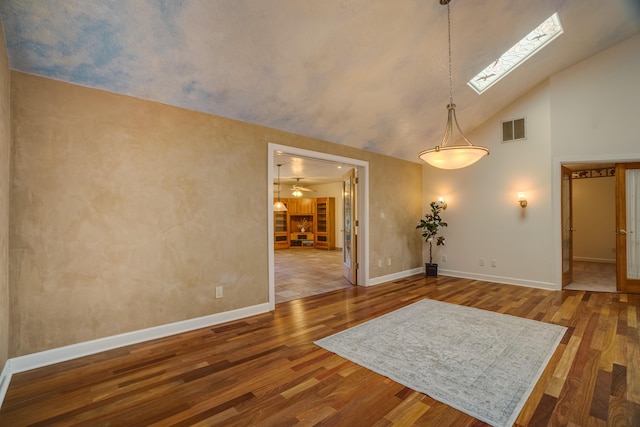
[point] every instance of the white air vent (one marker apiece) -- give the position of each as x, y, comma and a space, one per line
513, 130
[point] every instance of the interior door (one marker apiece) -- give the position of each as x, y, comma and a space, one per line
350, 241
567, 228
628, 227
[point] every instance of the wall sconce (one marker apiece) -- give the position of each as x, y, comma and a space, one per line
442, 202
522, 200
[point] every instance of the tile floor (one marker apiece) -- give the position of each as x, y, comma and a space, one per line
593, 276
301, 272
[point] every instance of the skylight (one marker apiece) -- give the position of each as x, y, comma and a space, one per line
544, 34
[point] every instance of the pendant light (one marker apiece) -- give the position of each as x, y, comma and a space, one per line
445, 156
279, 206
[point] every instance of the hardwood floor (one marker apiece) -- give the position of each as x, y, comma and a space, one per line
266, 371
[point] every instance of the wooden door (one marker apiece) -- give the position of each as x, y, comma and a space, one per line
567, 228
350, 245
628, 227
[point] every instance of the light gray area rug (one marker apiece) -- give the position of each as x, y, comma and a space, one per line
482, 363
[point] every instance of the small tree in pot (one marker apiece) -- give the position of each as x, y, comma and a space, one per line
430, 225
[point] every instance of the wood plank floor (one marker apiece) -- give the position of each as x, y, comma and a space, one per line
266, 371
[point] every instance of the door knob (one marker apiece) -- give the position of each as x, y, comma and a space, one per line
623, 232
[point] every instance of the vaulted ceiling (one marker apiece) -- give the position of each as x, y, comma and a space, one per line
371, 74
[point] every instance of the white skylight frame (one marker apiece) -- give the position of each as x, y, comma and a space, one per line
544, 34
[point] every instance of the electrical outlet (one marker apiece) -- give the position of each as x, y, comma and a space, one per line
493, 263
389, 261
481, 262
444, 258
218, 291
379, 263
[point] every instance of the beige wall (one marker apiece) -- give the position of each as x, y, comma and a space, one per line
125, 214
594, 219
5, 143
395, 190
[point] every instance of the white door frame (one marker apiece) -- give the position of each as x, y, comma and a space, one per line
362, 200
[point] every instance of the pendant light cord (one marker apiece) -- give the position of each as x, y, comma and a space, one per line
458, 156
449, 33
279, 182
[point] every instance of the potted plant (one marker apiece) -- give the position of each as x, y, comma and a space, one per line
430, 225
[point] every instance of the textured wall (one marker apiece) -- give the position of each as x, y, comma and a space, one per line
125, 214
5, 143
398, 198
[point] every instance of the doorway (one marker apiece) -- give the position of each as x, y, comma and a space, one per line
591, 201
588, 226
296, 263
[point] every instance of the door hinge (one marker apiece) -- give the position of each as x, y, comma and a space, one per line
355, 222
356, 180
356, 266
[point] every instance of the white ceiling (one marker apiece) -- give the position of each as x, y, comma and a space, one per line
371, 74
310, 171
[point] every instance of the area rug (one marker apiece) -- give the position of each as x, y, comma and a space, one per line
482, 363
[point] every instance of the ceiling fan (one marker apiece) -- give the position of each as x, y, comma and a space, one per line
298, 189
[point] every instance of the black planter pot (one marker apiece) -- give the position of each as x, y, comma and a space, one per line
431, 270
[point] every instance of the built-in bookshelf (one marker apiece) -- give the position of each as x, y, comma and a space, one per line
307, 223
325, 223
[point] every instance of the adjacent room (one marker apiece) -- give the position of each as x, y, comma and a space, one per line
309, 234
301, 213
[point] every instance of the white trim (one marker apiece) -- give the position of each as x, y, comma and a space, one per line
5, 379
270, 230
394, 276
363, 208
62, 354
500, 279
466, 275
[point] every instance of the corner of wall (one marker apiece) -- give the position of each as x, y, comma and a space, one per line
5, 146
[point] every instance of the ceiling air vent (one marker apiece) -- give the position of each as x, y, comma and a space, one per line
513, 130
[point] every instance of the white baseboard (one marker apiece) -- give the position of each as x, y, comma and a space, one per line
500, 279
5, 379
466, 275
62, 354
394, 276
